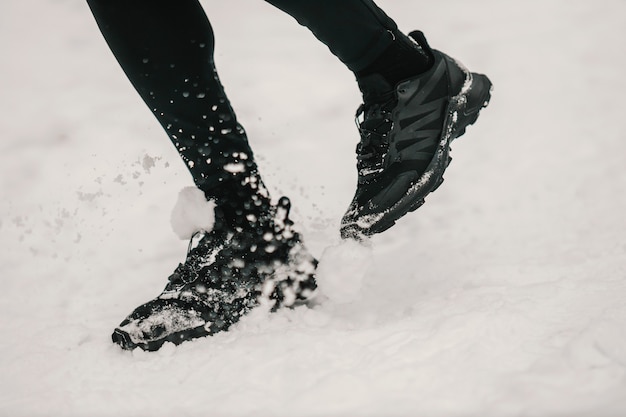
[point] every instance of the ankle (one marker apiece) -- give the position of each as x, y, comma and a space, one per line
245, 202
403, 59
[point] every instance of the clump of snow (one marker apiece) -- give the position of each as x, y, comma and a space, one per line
341, 271
192, 212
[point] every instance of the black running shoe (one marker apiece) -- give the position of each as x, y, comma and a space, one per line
406, 133
227, 273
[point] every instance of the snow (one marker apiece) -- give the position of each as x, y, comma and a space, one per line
502, 296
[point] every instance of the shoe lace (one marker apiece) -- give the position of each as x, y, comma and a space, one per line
374, 123
186, 273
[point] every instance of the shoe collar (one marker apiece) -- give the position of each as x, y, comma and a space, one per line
375, 89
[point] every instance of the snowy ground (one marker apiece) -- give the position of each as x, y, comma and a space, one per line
502, 296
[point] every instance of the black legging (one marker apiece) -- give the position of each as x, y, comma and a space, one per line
165, 47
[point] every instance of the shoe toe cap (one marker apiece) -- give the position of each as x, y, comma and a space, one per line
157, 321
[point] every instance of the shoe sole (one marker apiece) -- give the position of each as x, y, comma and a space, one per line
463, 110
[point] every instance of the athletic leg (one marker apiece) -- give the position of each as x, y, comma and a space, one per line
359, 33
166, 48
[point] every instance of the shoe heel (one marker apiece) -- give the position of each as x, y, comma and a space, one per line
469, 103
478, 95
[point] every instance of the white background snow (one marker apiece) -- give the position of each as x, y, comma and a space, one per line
505, 295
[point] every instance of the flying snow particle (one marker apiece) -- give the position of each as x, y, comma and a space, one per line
148, 163
234, 168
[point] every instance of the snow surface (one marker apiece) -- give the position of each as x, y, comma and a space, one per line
503, 296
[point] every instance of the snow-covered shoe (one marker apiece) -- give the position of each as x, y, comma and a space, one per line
218, 284
406, 133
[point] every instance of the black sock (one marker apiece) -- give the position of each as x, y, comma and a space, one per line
402, 60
